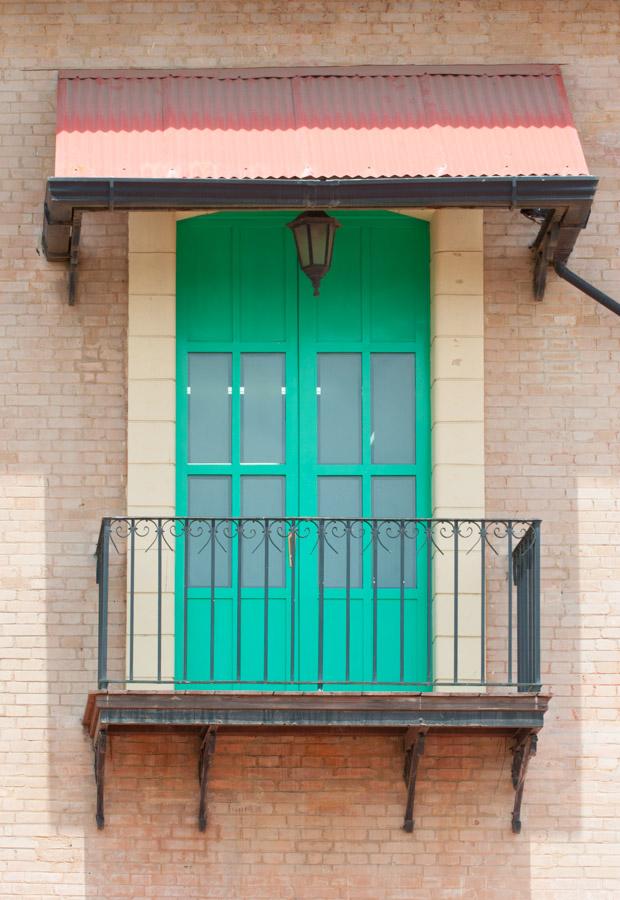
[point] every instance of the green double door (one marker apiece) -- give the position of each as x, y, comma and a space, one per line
291, 406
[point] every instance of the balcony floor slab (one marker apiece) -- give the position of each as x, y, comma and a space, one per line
140, 710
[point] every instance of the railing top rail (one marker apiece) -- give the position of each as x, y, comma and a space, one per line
447, 520
360, 564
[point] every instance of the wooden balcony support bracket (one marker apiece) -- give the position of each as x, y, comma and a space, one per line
524, 747
414, 748
207, 749
100, 746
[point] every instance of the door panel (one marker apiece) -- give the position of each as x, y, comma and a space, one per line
237, 438
364, 420
301, 406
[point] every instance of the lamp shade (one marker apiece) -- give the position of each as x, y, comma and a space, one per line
314, 238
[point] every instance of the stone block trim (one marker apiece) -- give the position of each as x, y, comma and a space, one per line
152, 364
457, 416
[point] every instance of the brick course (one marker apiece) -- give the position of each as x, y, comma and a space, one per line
291, 816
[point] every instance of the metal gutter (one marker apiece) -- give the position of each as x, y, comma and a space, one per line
284, 193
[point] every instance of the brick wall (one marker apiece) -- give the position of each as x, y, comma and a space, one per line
296, 817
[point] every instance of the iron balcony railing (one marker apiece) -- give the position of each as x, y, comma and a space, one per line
319, 604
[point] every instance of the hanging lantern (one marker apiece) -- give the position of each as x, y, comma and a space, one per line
314, 238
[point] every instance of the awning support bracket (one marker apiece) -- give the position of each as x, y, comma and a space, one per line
523, 749
207, 749
414, 748
557, 233
74, 253
543, 247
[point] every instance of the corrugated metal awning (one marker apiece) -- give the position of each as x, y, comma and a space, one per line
358, 138
372, 122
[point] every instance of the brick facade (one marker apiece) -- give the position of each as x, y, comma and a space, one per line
291, 816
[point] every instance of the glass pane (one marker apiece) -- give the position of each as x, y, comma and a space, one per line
319, 234
303, 244
208, 496
209, 380
341, 498
339, 408
262, 407
262, 496
393, 408
394, 498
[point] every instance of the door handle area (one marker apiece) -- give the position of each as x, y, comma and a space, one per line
291, 548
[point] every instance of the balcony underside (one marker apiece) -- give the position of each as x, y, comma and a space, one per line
519, 716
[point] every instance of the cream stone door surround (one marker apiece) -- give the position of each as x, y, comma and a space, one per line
457, 415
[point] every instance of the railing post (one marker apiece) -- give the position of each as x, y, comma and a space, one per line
321, 610
536, 610
103, 566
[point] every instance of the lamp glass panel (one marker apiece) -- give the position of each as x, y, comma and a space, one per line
319, 232
303, 244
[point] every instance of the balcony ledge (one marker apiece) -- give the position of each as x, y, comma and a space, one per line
123, 710
519, 715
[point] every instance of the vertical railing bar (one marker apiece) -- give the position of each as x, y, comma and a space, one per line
212, 606
483, 556
321, 562
104, 564
429, 601
266, 526
347, 676
185, 532
402, 599
537, 601
99, 577
239, 598
510, 577
455, 648
293, 565
519, 584
527, 642
530, 671
374, 600
132, 593
160, 530
537, 616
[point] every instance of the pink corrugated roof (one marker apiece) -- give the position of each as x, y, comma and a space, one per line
371, 122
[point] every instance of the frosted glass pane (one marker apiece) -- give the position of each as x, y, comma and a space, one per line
208, 496
262, 496
209, 380
342, 499
262, 407
339, 408
393, 408
394, 498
